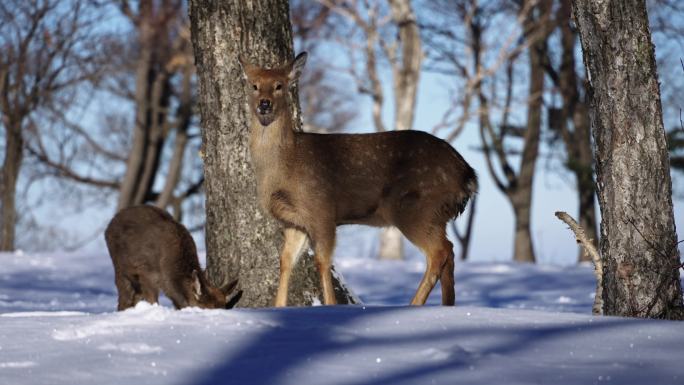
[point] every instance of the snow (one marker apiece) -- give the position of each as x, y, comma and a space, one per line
513, 324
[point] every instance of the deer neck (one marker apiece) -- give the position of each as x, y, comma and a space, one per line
271, 145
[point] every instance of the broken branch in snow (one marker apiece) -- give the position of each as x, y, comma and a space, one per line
589, 248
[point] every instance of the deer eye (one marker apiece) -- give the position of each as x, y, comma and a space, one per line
278, 86
255, 87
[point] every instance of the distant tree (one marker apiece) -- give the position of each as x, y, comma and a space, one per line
466, 54
139, 146
638, 240
163, 98
570, 121
242, 241
327, 106
46, 52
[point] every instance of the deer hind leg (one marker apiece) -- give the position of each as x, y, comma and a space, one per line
324, 244
440, 261
447, 277
294, 244
127, 293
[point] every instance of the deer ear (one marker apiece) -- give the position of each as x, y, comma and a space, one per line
229, 287
297, 66
245, 65
196, 285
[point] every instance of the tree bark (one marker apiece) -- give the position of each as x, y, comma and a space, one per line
638, 239
242, 241
14, 145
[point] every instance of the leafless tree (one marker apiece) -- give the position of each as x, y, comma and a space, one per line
47, 52
144, 158
327, 106
481, 64
382, 34
571, 120
164, 75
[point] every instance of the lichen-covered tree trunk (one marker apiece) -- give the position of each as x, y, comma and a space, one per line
242, 241
638, 238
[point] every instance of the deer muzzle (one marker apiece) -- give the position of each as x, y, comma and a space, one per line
265, 107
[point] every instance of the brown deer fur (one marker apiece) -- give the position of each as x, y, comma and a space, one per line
315, 182
153, 252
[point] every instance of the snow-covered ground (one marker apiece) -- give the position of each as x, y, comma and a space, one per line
513, 324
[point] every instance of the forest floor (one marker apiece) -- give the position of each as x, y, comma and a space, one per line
513, 324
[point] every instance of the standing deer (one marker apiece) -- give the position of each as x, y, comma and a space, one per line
153, 252
313, 183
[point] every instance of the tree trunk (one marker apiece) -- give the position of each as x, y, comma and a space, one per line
523, 251
405, 88
406, 83
464, 239
14, 145
391, 244
520, 193
638, 239
242, 241
143, 78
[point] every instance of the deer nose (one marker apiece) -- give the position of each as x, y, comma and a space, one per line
264, 105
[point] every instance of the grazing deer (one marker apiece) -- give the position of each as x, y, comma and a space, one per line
153, 252
314, 182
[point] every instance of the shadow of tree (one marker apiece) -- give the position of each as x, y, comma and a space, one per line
523, 353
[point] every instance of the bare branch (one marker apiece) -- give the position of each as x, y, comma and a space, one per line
589, 248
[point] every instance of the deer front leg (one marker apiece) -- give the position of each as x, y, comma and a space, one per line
324, 244
294, 244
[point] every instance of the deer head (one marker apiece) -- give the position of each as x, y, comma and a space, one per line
205, 295
268, 88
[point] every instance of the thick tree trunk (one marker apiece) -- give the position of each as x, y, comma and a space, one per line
638, 239
14, 145
242, 241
